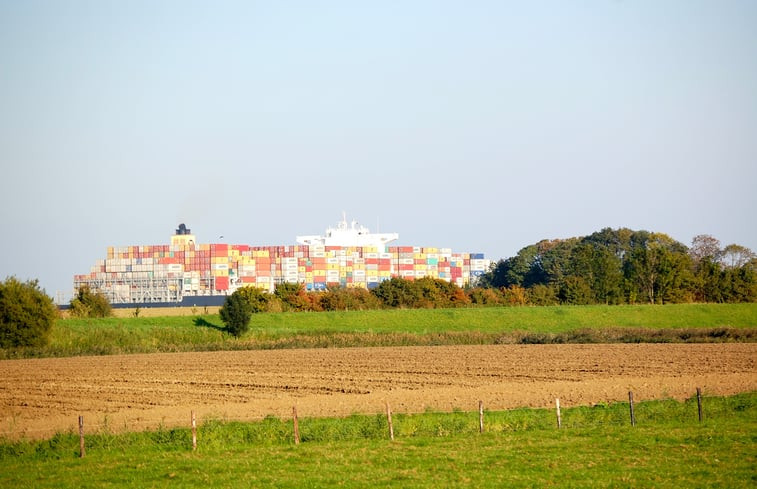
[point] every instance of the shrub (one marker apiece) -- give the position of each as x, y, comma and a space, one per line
26, 314
236, 312
90, 304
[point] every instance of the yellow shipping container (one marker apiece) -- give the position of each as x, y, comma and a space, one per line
385, 273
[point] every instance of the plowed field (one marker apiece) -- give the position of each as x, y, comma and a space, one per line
135, 392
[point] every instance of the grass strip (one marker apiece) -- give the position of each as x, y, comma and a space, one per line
520, 448
559, 324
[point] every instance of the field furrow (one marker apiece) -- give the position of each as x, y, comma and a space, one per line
41, 396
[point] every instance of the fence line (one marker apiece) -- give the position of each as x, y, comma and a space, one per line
178, 423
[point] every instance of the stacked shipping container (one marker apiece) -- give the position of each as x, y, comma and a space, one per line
165, 273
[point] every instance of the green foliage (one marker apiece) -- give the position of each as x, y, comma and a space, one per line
90, 304
625, 266
574, 290
236, 312
424, 293
258, 300
543, 295
338, 298
27, 314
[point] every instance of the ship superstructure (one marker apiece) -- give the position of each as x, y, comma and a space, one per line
353, 235
190, 273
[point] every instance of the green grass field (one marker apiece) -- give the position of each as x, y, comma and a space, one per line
597, 447
559, 324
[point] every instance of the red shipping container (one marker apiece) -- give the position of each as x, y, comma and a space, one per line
222, 283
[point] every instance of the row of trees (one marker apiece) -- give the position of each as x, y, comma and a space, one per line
625, 266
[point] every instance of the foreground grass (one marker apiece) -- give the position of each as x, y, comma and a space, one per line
520, 448
559, 324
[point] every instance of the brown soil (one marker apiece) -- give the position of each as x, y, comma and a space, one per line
135, 392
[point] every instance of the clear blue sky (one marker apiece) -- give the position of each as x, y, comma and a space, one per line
483, 126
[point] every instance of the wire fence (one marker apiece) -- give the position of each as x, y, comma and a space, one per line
405, 423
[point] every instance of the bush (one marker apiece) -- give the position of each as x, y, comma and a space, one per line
236, 312
89, 304
26, 314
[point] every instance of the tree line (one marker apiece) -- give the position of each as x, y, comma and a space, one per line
608, 267
625, 267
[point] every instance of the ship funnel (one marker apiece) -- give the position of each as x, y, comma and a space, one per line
182, 230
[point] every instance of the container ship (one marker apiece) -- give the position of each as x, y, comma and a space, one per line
186, 273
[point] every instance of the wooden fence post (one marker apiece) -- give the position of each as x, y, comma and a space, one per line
194, 432
296, 426
630, 403
699, 403
81, 437
559, 418
389, 420
480, 416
